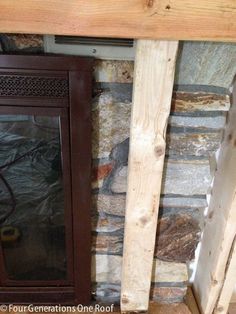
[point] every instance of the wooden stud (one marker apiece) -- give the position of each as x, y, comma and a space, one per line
233, 298
232, 308
220, 229
213, 20
153, 84
228, 286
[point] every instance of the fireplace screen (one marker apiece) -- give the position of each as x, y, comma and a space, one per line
44, 179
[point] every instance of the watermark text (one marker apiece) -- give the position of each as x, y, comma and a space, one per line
31, 308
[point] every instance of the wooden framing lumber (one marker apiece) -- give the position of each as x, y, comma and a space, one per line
157, 19
232, 308
228, 285
233, 298
220, 229
153, 83
191, 302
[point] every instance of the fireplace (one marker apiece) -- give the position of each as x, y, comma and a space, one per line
45, 179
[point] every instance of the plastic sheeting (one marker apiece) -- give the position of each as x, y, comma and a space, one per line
32, 155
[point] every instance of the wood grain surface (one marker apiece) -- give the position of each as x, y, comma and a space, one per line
157, 19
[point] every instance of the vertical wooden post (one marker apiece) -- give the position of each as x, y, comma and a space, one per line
220, 229
153, 85
229, 284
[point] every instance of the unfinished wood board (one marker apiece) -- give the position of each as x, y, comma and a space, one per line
158, 19
153, 83
178, 308
229, 283
233, 298
191, 302
232, 309
220, 228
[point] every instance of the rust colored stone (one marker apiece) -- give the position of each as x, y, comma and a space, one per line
168, 294
101, 172
110, 204
114, 71
106, 223
25, 41
193, 144
189, 101
107, 244
177, 238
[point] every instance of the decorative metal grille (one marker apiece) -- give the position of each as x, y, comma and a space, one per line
33, 86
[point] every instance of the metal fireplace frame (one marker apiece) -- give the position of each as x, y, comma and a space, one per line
56, 85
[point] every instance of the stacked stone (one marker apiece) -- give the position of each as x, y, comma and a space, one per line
21, 43
194, 134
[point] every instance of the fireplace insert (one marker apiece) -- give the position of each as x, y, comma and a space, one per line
45, 158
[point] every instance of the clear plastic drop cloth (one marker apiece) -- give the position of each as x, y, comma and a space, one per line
31, 197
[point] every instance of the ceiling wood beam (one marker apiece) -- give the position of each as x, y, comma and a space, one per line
213, 20
153, 85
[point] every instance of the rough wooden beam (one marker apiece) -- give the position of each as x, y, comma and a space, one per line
153, 83
220, 229
228, 286
160, 19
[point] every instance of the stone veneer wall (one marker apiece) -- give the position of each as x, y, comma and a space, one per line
194, 134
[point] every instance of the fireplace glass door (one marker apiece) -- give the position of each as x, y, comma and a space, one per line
32, 202
45, 169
